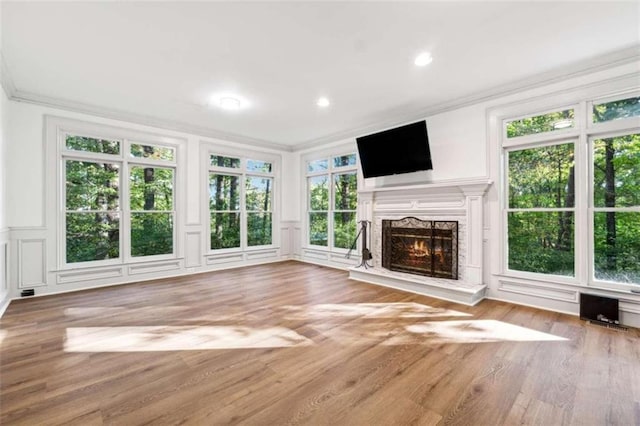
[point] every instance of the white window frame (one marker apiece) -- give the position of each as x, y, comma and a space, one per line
330, 172
207, 150
56, 131
583, 133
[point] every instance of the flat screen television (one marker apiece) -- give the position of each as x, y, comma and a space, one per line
598, 308
404, 149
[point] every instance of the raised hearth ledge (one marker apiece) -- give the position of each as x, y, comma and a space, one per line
451, 290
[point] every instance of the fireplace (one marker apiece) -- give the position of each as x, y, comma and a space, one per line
422, 247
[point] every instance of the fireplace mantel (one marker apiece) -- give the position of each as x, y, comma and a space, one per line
461, 200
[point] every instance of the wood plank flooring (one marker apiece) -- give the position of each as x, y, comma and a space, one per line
291, 343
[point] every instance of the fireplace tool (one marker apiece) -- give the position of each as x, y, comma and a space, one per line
366, 253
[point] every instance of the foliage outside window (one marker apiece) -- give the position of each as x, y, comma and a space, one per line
616, 110
616, 206
545, 187
541, 123
240, 211
95, 210
540, 217
332, 201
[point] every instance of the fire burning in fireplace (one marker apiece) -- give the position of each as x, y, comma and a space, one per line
421, 247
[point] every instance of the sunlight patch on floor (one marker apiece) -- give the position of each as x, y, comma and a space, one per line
3, 334
178, 338
479, 331
432, 332
368, 310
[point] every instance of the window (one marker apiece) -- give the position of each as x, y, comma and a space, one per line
541, 210
616, 208
332, 192
107, 218
572, 198
240, 202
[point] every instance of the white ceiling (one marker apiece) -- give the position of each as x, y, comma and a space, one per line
163, 61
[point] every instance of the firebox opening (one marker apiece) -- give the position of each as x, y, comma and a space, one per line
422, 247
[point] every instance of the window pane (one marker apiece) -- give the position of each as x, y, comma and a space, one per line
318, 234
616, 171
92, 236
344, 229
345, 187
344, 160
258, 191
318, 165
541, 242
616, 237
225, 230
224, 192
102, 146
151, 233
319, 193
542, 177
92, 186
615, 110
151, 188
259, 166
221, 161
541, 123
258, 229
153, 152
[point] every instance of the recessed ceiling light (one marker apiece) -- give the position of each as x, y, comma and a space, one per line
423, 59
323, 102
229, 103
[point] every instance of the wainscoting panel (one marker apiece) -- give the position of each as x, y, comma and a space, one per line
193, 248
92, 274
538, 290
147, 268
262, 254
221, 259
32, 263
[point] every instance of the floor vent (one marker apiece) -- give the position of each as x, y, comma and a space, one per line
28, 292
612, 326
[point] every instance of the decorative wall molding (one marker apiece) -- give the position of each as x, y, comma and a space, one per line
76, 276
32, 262
538, 290
193, 249
145, 268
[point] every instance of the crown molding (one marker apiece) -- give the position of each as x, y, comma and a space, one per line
68, 105
581, 68
5, 78
592, 65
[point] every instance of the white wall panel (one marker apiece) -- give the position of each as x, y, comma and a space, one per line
193, 249
32, 262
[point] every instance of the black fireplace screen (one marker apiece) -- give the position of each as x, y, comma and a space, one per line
423, 247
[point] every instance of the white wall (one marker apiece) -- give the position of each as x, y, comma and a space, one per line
4, 231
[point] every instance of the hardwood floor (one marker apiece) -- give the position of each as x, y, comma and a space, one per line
292, 343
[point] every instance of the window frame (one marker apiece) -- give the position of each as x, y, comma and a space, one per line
583, 133
242, 172
331, 172
57, 130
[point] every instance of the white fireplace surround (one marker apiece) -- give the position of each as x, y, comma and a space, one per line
459, 200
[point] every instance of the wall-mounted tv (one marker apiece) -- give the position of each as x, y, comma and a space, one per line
599, 308
404, 149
